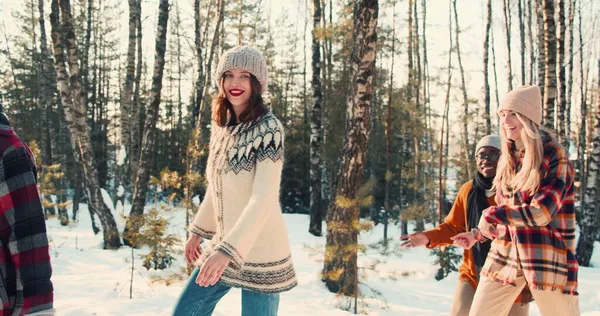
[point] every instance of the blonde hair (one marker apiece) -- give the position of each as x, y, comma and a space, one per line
527, 178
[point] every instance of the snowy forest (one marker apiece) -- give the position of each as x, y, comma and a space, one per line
382, 103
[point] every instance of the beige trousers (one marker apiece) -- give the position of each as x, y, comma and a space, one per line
463, 298
492, 298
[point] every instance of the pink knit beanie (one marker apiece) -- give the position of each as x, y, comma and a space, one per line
525, 100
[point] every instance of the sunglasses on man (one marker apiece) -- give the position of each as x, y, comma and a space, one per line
490, 157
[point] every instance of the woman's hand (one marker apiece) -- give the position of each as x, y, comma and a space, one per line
465, 240
192, 248
212, 269
414, 240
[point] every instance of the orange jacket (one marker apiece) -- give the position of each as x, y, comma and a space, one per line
454, 224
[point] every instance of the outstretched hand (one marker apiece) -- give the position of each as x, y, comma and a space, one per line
414, 240
464, 240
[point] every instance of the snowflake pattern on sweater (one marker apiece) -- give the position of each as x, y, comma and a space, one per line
262, 140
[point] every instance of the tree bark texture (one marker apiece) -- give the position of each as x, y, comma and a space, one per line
486, 80
149, 134
316, 129
127, 92
74, 100
340, 270
508, 26
541, 46
550, 49
561, 122
590, 213
466, 143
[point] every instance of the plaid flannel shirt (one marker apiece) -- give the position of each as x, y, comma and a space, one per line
537, 233
24, 254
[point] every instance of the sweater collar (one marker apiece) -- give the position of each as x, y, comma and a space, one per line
243, 127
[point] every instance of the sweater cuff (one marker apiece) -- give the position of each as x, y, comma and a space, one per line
490, 214
237, 261
433, 235
195, 229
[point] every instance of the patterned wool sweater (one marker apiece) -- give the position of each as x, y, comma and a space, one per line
240, 212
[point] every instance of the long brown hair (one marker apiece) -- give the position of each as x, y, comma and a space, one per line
222, 110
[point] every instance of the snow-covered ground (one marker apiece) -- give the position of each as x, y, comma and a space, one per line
92, 281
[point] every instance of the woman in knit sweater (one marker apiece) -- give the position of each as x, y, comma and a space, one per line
240, 215
472, 198
533, 224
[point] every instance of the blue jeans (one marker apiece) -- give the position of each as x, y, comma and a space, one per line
196, 300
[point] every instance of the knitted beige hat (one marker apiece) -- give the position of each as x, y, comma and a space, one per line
489, 141
525, 100
246, 58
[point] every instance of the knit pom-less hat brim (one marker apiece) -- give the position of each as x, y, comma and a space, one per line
245, 58
489, 141
525, 100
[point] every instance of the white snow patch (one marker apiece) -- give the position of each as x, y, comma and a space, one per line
119, 209
121, 156
120, 191
109, 203
91, 281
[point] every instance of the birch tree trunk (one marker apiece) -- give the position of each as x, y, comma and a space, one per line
126, 96
421, 141
85, 65
417, 54
211, 54
562, 123
316, 129
45, 100
410, 52
571, 55
240, 38
590, 214
486, 81
522, 38
74, 100
388, 136
465, 123
409, 96
199, 62
443, 159
136, 123
340, 272
149, 138
45, 95
582, 142
541, 46
550, 49
530, 42
508, 26
495, 70
202, 86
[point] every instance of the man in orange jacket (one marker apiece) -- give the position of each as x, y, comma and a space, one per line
472, 198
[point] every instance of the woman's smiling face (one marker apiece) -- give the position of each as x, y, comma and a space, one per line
236, 83
511, 125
